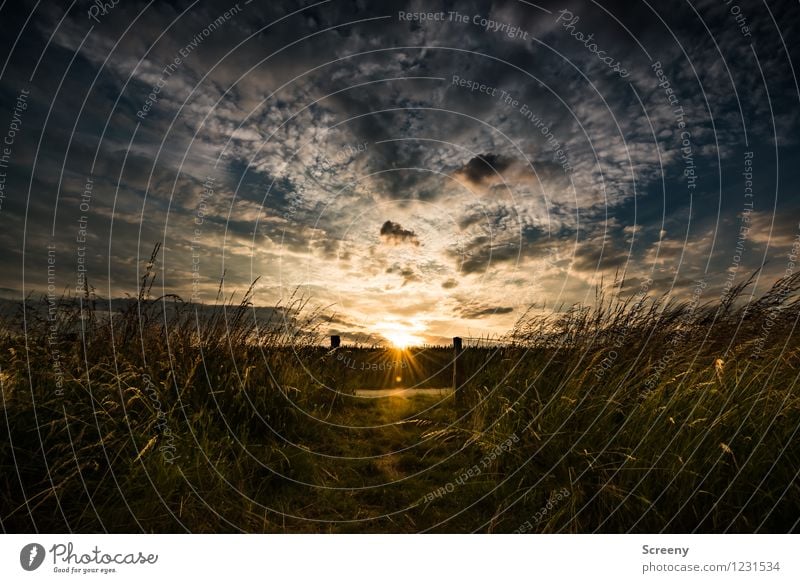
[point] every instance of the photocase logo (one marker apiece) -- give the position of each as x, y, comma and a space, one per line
31, 556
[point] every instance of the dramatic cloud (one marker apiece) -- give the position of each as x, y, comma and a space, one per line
394, 234
481, 167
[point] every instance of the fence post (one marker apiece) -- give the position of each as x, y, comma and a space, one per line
458, 375
335, 371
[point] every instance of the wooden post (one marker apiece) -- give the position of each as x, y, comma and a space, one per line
336, 370
458, 375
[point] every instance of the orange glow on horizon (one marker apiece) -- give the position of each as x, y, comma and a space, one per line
402, 340
400, 335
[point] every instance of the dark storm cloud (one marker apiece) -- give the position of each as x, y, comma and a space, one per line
485, 166
395, 234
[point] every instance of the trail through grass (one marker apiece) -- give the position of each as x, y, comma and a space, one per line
633, 414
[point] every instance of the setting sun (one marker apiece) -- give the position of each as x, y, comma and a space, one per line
402, 339
400, 335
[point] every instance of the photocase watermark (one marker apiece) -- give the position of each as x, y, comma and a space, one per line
14, 127
568, 21
52, 321
167, 447
82, 234
739, 17
95, 561
489, 25
559, 150
199, 219
341, 155
169, 70
361, 365
506, 98
32, 556
100, 8
421, 16
470, 473
552, 503
686, 150
744, 228
479, 20
474, 86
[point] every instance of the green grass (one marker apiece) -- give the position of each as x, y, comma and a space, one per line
652, 416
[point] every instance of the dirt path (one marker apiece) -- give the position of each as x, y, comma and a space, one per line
378, 459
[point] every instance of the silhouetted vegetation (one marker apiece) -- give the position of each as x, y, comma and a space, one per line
172, 417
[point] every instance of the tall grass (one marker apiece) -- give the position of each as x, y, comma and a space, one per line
165, 416
137, 417
654, 415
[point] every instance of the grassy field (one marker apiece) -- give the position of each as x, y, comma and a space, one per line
631, 415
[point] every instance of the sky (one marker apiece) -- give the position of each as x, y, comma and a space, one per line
418, 171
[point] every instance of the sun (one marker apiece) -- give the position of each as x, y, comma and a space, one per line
401, 339
401, 335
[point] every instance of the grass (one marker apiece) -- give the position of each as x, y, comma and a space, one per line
653, 416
